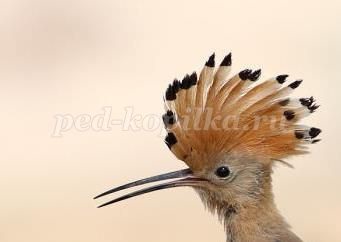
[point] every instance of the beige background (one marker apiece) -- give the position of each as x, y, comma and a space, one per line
59, 57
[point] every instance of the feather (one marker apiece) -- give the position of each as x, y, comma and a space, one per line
216, 115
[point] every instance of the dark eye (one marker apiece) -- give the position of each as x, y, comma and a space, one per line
223, 172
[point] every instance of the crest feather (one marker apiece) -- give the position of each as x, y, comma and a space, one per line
217, 115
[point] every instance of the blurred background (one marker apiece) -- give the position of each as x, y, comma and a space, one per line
75, 57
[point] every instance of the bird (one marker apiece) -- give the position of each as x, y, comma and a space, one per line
230, 131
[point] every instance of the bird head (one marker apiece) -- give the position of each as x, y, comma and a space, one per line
229, 132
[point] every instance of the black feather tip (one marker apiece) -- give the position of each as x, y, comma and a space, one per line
299, 134
244, 74
168, 118
313, 132
289, 115
281, 78
227, 61
255, 75
309, 103
176, 86
295, 84
313, 107
186, 82
210, 62
193, 78
170, 140
170, 93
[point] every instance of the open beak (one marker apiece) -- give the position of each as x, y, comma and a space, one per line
180, 178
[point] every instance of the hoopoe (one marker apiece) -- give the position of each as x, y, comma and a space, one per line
230, 131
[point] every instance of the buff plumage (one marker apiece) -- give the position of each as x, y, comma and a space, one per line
216, 113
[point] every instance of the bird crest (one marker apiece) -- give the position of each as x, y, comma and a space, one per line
229, 130
217, 114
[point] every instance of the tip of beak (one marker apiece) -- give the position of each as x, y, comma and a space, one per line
184, 177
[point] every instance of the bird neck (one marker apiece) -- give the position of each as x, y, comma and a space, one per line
256, 220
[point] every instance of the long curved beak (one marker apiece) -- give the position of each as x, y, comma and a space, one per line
182, 178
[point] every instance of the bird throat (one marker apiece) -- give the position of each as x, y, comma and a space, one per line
255, 221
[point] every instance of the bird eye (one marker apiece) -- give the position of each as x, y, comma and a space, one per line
223, 172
